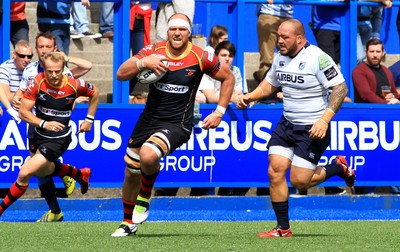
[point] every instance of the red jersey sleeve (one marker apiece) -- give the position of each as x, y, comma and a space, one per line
84, 88
211, 64
146, 51
32, 91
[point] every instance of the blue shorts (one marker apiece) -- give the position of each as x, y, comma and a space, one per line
298, 138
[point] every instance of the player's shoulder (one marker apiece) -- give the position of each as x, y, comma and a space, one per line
32, 68
8, 64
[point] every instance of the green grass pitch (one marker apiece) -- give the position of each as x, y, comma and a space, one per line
201, 236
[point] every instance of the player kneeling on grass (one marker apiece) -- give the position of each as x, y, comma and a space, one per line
305, 74
167, 119
52, 94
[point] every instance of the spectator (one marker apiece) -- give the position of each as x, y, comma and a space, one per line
107, 19
55, 17
11, 111
225, 52
140, 17
19, 28
52, 134
368, 79
80, 23
325, 25
218, 34
369, 25
11, 70
270, 16
166, 10
370, 76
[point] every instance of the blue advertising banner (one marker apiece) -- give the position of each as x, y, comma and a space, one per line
234, 154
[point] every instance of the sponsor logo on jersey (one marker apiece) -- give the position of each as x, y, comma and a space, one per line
190, 72
175, 64
286, 77
324, 61
302, 65
171, 88
330, 73
59, 92
54, 112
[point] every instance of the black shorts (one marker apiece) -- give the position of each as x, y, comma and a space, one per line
50, 148
175, 133
297, 137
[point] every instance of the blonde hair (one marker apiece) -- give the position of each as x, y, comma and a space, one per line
22, 44
55, 57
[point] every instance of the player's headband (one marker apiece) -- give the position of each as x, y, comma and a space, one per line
179, 22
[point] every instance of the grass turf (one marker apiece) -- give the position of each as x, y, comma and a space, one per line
201, 236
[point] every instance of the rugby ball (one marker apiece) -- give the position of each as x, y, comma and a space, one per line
147, 76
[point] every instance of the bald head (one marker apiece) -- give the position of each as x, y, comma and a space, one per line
291, 37
295, 25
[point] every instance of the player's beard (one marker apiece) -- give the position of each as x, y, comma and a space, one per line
290, 51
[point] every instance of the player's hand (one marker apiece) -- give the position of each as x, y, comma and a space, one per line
318, 130
16, 102
84, 127
14, 114
156, 63
54, 126
244, 101
211, 121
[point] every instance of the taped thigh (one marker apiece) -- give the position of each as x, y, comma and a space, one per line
159, 143
132, 161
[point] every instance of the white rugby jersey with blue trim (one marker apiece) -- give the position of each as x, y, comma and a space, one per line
31, 71
305, 80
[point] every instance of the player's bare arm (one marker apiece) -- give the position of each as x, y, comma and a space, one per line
133, 66
25, 113
86, 125
227, 83
318, 130
264, 89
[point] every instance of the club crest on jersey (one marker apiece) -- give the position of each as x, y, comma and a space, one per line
281, 63
324, 61
302, 65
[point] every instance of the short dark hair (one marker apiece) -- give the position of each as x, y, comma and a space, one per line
374, 41
47, 35
227, 45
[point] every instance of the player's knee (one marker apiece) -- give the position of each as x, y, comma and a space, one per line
160, 145
299, 185
132, 161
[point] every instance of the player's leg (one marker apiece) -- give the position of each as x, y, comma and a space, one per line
30, 168
279, 191
80, 175
48, 191
130, 190
153, 149
339, 167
